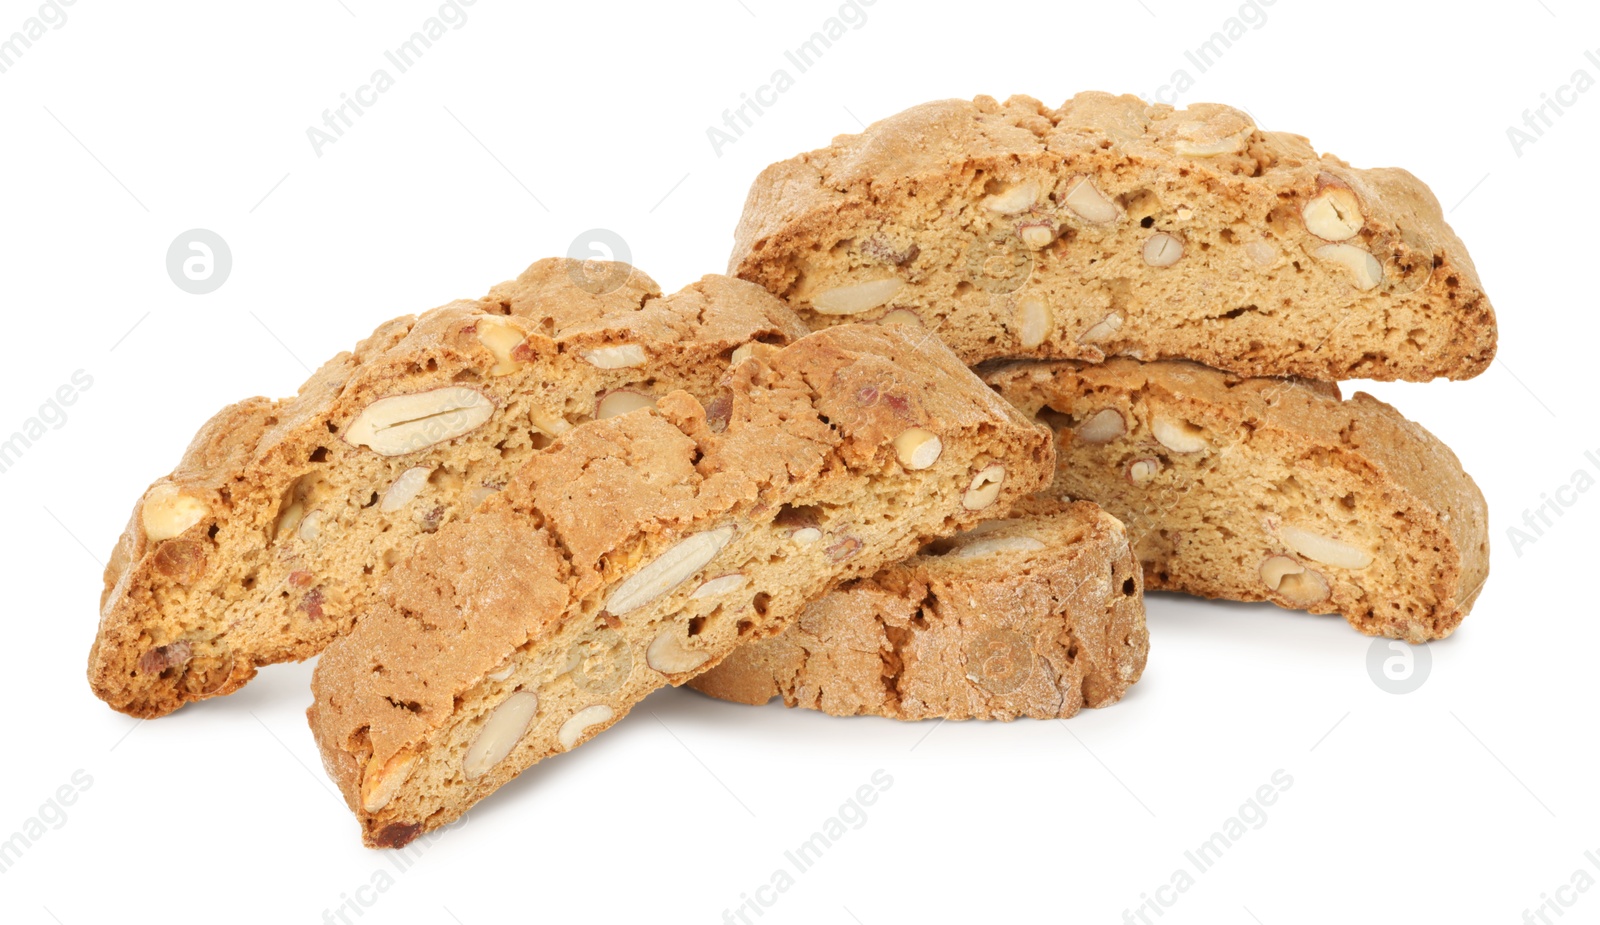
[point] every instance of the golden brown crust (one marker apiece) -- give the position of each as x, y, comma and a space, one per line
1253, 291
1274, 456
297, 518
964, 631
537, 595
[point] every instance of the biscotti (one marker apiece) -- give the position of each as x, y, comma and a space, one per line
1113, 227
1036, 615
281, 518
640, 550
1268, 489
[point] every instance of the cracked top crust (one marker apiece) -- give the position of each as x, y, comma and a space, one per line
904, 174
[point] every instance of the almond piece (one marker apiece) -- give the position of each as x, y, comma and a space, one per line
184, 561
1195, 147
1162, 250
551, 425
668, 654
1178, 436
1143, 469
996, 544
1034, 322
621, 401
1303, 588
479, 494
1365, 270
673, 567
753, 349
168, 512
405, 487
843, 548
1319, 548
573, 729
1275, 568
171, 655
1036, 235
1333, 214
902, 316
1103, 426
288, 520
856, 298
380, 784
402, 424
504, 671
1019, 197
501, 732
917, 448
616, 356
1102, 330
501, 338
1088, 203
718, 586
984, 487
311, 526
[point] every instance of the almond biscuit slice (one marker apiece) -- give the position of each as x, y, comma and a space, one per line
640, 550
1268, 489
282, 517
1108, 227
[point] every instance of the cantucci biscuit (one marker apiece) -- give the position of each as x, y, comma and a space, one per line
1111, 227
640, 550
283, 516
1267, 489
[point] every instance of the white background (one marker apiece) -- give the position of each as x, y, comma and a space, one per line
1464, 801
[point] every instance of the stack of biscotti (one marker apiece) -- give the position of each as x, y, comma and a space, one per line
507, 520
1087, 260
980, 376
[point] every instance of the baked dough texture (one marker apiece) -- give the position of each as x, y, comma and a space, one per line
1257, 489
641, 549
1036, 615
1108, 227
282, 517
